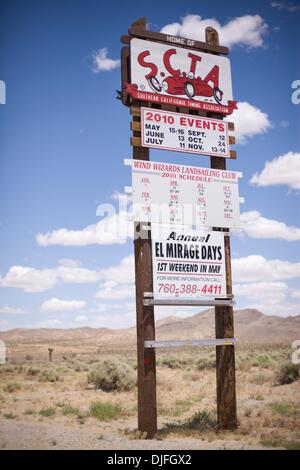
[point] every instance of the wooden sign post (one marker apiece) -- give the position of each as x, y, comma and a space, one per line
224, 325
145, 323
225, 352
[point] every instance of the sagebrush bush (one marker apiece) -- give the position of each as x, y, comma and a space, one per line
112, 374
176, 362
6, 369
48, 375
33, 371
206, 363
11, 387
261, 360
287, 373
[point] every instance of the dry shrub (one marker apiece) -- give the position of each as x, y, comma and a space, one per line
287, 373
112, 374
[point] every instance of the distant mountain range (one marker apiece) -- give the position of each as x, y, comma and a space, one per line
250, 326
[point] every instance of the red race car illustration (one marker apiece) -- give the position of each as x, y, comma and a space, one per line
187, 84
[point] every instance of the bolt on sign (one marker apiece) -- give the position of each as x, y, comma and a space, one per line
165, 74
167, 130
188, 264
184, 195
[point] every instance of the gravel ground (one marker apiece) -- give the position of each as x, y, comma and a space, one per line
17, 435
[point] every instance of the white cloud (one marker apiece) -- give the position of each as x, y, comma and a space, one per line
272, 292
101, 63
289, 6
249, 121
256, 268
109, 307
257, 226
77, 275
247, 30
29, 279
122, 273
58, 305
69, 263
8, 310
40, 280
117, 281
284, 169
81, 318
114, 229
116, 292
271, 298
3, 322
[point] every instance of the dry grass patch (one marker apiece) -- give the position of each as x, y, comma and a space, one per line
47, 412
12, 387
201, 421
105, 411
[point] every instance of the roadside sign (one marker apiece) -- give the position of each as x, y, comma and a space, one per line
188, 264
167, 130
167, 74
184, 195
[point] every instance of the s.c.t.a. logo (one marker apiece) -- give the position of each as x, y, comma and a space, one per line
179, 76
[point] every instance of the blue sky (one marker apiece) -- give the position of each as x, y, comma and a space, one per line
63, 138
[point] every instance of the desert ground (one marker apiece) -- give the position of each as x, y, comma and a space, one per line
86, 398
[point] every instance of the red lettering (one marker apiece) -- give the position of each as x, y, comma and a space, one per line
143, 63
213, 75
195, 59
167, 64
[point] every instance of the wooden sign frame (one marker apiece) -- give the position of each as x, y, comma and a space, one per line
145, 323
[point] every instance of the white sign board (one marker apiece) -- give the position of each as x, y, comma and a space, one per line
184, 133
169, 74
184, 195
188, 264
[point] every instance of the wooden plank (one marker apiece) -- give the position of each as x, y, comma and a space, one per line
231, 140
135, 126
224, 325
136, 141
125, 75
135, 111
231, 126
125, 39
189, 342
177, 41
